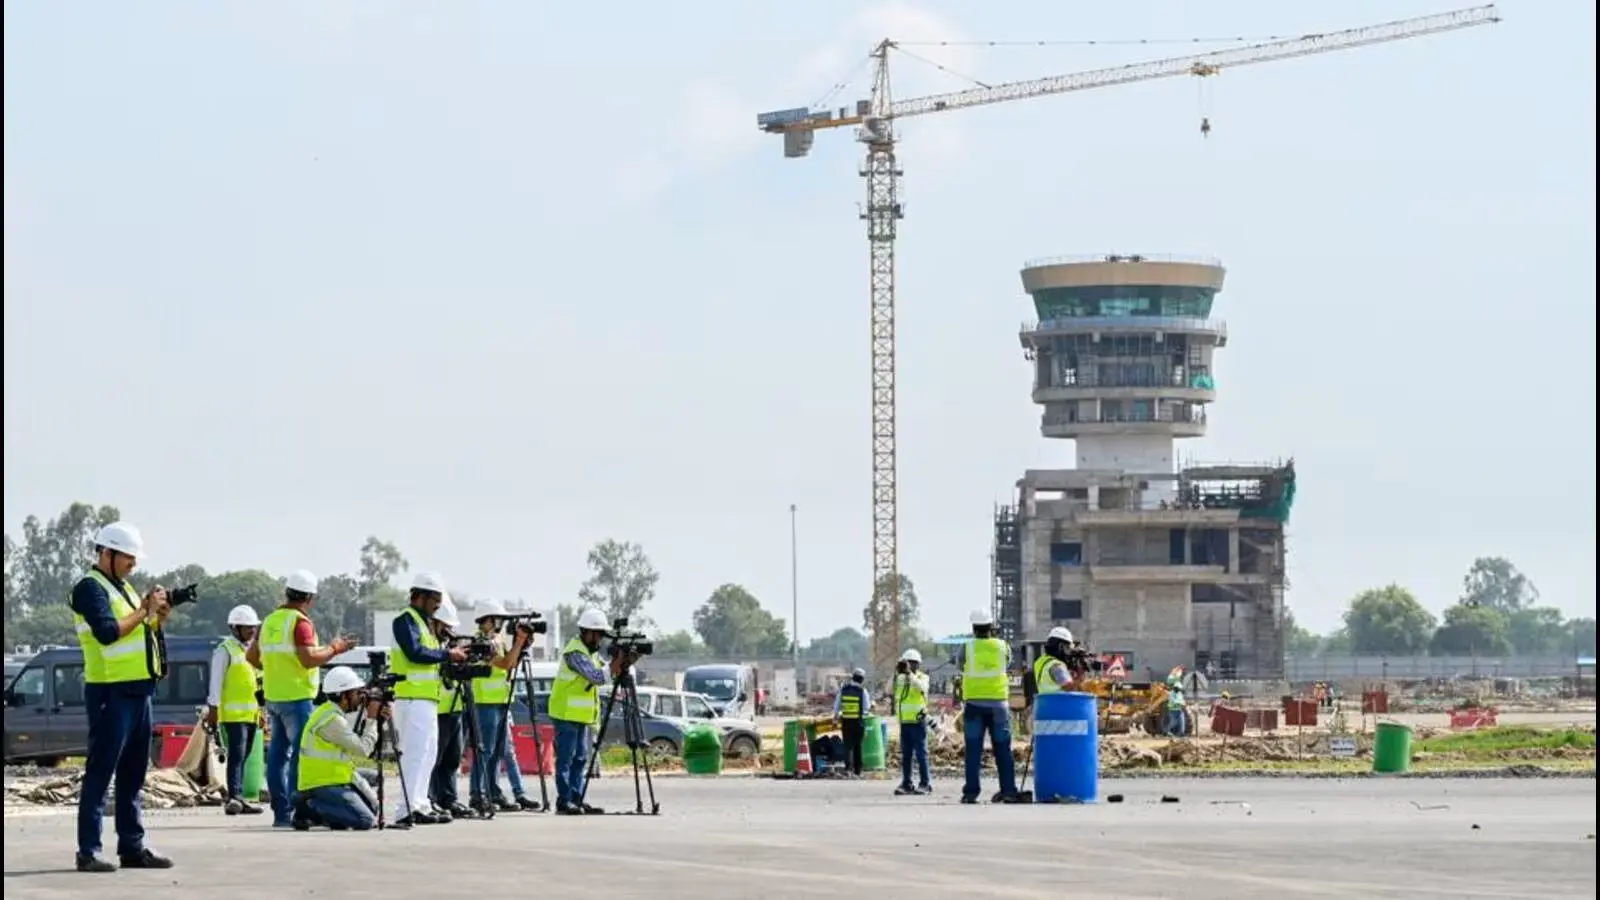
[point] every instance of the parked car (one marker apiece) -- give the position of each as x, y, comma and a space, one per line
740, 737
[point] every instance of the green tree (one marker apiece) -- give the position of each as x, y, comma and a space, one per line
1537, 631
679, 643
51, 624
900, 588
53, 556
1472, 630
380, 562
1388, 621
844, 645
1494, 582
621, 582
1580, 637
1301, 642
732, 622
1336, 643
567, 616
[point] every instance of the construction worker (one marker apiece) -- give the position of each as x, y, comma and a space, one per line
444, 783
1050, 673
232, 703
574, 709
330, 750
118, 632
417, 655
287, 653
910, 693
1175, 723
493, 696
985, 690
851, 706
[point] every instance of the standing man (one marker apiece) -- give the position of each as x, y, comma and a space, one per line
444, 785
1175, 725
850, 708
574, 709
232, 702
910, 693
984, 690
287, 653
118, 633
492, 694
417, 655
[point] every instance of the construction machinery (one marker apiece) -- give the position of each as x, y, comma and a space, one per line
875, 118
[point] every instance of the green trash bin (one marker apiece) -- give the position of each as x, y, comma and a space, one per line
872, 750
702, 750
1391, 749
255, 770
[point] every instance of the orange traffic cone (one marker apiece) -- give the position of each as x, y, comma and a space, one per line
802, 755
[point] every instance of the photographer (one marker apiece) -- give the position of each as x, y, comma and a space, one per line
492, 694
1051, 674
416, 707
444, 784
330, 749
911, 707
231, 702
575, 707
850, 708
117, 631
985, 690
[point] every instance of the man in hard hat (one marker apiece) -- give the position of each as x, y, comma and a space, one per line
1050, 672
232, 704
985, 689
330, 750
851, 706
492, 694
417, 655
910, 693
287, 652
575, 708
117, 631
444, 784
1174, 722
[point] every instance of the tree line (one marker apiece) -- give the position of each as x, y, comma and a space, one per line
1497, 614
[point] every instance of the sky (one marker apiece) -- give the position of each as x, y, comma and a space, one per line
498, 280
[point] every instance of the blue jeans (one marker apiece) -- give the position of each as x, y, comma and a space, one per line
288, 721
338, 806
913, 742
996, 721
119, 746
572, 756
238, 737
496, 736
1174, 724
513, 767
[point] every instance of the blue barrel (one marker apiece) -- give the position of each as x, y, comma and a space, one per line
1066, 748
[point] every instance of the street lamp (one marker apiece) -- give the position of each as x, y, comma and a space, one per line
794, 594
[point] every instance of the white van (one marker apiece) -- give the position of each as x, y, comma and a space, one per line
731, 688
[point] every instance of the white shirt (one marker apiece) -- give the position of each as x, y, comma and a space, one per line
337, 730
219, 671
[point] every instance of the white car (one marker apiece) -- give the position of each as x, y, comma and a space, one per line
740, 737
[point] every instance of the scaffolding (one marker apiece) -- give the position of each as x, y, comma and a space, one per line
1006, 566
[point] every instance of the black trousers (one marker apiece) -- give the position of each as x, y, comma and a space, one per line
443, 784
854, 732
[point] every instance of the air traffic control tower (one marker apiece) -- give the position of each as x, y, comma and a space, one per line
1160, 565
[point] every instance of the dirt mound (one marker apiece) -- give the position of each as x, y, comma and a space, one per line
163, 789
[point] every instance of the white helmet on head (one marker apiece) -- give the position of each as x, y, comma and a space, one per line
446, 612
428, 581
911, 655
301, 580
1060, 633
121, 537
341, 679
487, 609
982, 617
593, 619
243, 615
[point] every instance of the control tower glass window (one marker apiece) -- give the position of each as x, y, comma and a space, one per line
1122, 301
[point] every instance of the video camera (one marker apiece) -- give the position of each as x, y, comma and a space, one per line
631, 643
480, 650
380, 681
532, 622
189, 593
1080, 660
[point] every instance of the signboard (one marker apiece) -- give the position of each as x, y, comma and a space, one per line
1115, 666
1476, 717
1342, 747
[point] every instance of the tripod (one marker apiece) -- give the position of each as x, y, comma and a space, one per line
469, 711
633, 732
386, 735
524, 674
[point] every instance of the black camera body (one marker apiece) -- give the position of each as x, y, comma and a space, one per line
532, 622
480, 650
1080, 661
629, 643
380, 681
189, 593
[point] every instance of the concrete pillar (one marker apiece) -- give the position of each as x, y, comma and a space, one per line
1233, 550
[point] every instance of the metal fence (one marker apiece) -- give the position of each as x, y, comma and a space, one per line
1336, 668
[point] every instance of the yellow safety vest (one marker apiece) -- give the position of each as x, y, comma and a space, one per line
983, 672
125, 659
323, 763
238, 686
493, 689
1042, 682
572, 697
910, 697
850, 701
421, 679
283, 679
449, 699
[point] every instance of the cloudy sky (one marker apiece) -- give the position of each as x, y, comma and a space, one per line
497, 280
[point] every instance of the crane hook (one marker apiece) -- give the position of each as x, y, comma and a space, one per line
1205, 126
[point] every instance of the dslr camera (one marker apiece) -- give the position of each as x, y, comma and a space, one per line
631, 643
480, 650
380, 681
189, 593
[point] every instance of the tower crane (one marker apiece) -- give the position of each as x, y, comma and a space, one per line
874, 119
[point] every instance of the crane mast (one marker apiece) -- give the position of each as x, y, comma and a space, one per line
874, 119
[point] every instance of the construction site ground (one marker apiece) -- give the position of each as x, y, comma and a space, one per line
744, 837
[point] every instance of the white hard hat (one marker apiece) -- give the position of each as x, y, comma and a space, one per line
593, 620
1060, 633
428, 581
859, 673
487, 608
341, 679
911, 655
243, 615
446, 612
983, 617
121, 537
302, 581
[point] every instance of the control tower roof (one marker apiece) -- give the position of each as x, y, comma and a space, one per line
1114, 270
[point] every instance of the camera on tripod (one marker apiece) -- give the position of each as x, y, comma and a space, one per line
630, 643
380, 681
480, 651
531, 622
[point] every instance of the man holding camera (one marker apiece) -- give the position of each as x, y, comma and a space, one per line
330, 750
492, 694
118, 633
416, 659
1051, 674
850, 708
289, 657
231, 702
985, 689
575, 708
910, 694
445, 781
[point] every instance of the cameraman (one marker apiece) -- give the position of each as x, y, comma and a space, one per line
575, 707
416, 707
231, 702
444, 783
330, 749
985, 690
1051, 674
911, 706
850, 708
492, 694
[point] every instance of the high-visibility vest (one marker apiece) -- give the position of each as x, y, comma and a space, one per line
127, 658
983, 672
1174, 696
493, 689
850, 701
421, 679
449, 699
572, 697
283, 679
911, 699
1043, 683
238, 686
323, 763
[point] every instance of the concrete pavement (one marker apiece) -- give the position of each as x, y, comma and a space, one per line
744, 838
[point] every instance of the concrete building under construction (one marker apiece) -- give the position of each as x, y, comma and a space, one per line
1160, 563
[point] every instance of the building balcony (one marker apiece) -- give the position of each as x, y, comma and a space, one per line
1055, 393
1172, 518
1215, 328
1187, 422
1149, 573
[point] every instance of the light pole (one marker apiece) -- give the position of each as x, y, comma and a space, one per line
794, 593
